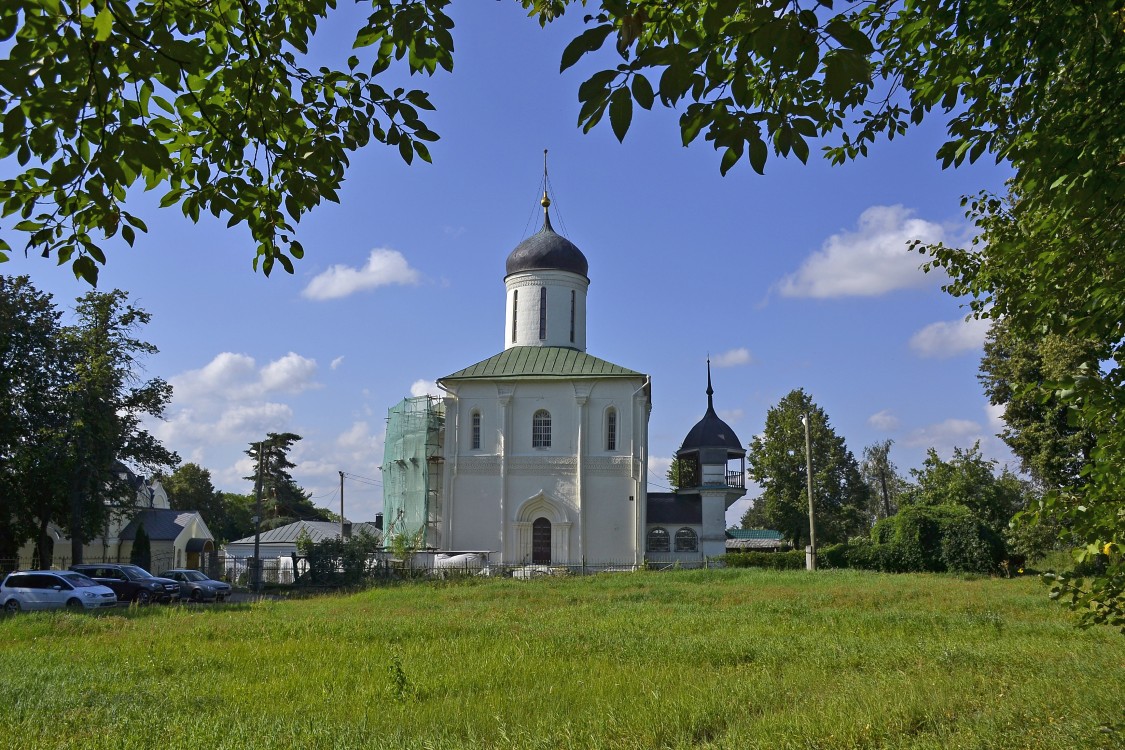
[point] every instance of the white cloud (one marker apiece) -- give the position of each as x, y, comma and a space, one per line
383, 268
883, 420
424, 388
944, 436
733, 357
290, 374
336, 363
248, 421
948, 338
230, 401
867, 262
234, 377
995, 416
731, 415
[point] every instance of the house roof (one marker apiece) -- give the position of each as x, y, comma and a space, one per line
753, 534
316, 530
542, 362
161, 524
744, 544
673, 508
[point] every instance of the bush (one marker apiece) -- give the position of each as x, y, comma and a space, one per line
833, 556
791, 560
934, 538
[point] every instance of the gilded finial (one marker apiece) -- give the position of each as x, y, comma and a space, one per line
545, 202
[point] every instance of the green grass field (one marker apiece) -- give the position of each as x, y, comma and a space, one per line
710, 659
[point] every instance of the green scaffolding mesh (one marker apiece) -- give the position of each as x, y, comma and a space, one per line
412, 470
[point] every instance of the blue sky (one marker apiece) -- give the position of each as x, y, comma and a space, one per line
796, 279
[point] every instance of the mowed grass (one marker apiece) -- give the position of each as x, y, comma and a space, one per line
710, 659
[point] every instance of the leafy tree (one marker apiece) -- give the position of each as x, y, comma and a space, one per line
189, 487
969, 480
238, 510
776, 460
210, 102
105, 405
755, 516
883, 480
141, 553
71, 416
34, 367
283, 500
1017, 374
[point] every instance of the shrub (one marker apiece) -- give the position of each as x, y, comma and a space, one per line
935, 538
833, 556
791, 560
968, 546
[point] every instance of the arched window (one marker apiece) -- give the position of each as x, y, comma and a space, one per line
687, 540
657, 540
611, 429
542, 313
475, 427
541, 429
515, 311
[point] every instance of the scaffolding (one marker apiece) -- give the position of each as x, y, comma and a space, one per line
412, 471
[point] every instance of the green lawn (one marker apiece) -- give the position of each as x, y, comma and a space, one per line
723, 659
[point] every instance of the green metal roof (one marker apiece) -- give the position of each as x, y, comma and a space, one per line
753, 534
542, 362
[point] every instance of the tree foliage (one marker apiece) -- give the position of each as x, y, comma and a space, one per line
1021, 375
885, 485
141, 552
211, 103
776, 460
970, 481
107, 400
238, 512
284, 501
189, 487
74, 401
33, 374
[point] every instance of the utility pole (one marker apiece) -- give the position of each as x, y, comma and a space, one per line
257, 577
341, 506
810, 551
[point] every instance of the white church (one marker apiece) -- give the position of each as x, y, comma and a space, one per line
538, 455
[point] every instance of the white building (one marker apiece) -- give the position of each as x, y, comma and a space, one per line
539, 454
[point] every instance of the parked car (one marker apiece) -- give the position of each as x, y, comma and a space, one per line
53, 589
197, 586
131, 583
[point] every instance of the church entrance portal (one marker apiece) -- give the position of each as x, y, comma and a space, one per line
541, 541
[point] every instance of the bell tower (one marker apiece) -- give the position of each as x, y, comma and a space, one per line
712, 464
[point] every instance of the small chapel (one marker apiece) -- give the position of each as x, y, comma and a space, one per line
538, 455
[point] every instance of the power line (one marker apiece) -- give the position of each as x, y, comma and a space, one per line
359, 476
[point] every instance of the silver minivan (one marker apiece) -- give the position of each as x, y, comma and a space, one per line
53, 589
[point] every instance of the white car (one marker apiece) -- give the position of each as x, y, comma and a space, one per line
53, 589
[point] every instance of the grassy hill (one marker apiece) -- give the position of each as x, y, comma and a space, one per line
722, 659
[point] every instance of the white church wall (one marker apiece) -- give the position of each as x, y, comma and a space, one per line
480, 495
559, 285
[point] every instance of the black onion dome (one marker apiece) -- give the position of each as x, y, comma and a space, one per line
547, 251
711, 432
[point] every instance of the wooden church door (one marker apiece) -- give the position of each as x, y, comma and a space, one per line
541, 541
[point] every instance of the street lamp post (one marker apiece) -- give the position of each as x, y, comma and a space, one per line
257, 576
810, 551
